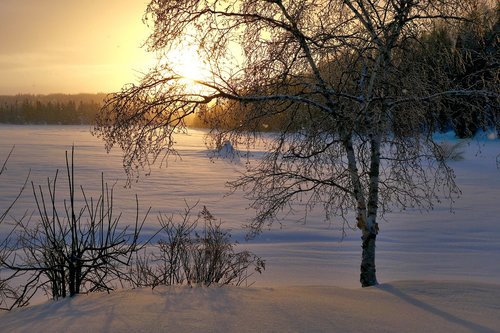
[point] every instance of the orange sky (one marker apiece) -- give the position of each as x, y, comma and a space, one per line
70, 46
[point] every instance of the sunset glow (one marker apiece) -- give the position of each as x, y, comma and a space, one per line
56, 46
187, 62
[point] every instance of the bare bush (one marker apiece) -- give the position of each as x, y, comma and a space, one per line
194, 257
79, 249
77, 245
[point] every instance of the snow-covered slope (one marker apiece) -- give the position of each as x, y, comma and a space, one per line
409, 306
462, 246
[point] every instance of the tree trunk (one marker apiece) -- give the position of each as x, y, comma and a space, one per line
368, 276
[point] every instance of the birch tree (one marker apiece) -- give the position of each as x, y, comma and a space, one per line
353, 101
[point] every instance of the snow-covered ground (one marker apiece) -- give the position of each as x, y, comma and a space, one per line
461, 246
399, 307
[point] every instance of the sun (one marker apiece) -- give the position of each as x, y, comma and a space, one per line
186, 62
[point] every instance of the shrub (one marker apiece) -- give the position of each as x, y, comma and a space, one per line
79, 249
192, 256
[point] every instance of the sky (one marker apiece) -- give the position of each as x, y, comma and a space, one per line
71, 46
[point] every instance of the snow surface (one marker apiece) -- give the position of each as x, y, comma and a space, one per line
311, 278
407, 306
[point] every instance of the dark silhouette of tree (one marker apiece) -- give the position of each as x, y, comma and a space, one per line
351, 101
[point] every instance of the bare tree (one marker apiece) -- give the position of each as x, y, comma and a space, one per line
71, 251
341, 79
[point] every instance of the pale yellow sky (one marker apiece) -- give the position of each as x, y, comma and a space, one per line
71, 46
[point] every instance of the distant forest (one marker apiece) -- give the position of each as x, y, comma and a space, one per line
59, 109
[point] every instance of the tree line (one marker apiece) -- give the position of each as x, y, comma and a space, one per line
50, 109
